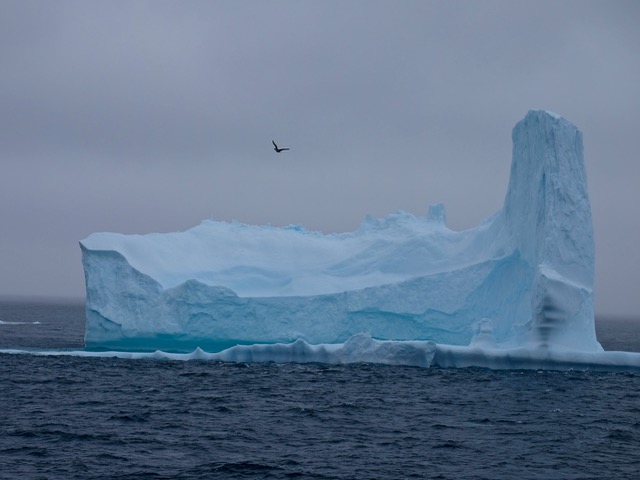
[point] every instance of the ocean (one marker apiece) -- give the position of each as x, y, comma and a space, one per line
67, 417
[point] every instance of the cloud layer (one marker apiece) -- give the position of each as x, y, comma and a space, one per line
153, 115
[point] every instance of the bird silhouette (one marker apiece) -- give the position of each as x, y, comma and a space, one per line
277, 149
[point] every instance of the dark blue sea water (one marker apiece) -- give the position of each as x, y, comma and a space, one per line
65, 417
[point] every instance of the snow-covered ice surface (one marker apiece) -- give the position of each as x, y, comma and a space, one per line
514, 292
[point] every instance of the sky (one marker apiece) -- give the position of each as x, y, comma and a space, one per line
151, 116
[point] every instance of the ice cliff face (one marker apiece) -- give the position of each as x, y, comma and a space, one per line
548, 216
523, 278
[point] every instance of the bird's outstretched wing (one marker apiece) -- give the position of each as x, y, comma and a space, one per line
278, 149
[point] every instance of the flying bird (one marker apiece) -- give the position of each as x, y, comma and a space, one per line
277, 149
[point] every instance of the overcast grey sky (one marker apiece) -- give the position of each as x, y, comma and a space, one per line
150, 116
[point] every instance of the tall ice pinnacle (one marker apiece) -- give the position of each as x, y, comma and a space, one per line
547, 203
548, 215
522, 279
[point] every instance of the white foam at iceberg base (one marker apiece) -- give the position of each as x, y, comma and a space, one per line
362, 348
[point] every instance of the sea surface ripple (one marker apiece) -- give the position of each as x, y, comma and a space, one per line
70, 417
66, 417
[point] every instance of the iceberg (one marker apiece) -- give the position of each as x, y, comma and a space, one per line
515, 290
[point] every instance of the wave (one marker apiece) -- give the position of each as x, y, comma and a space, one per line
19, 323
